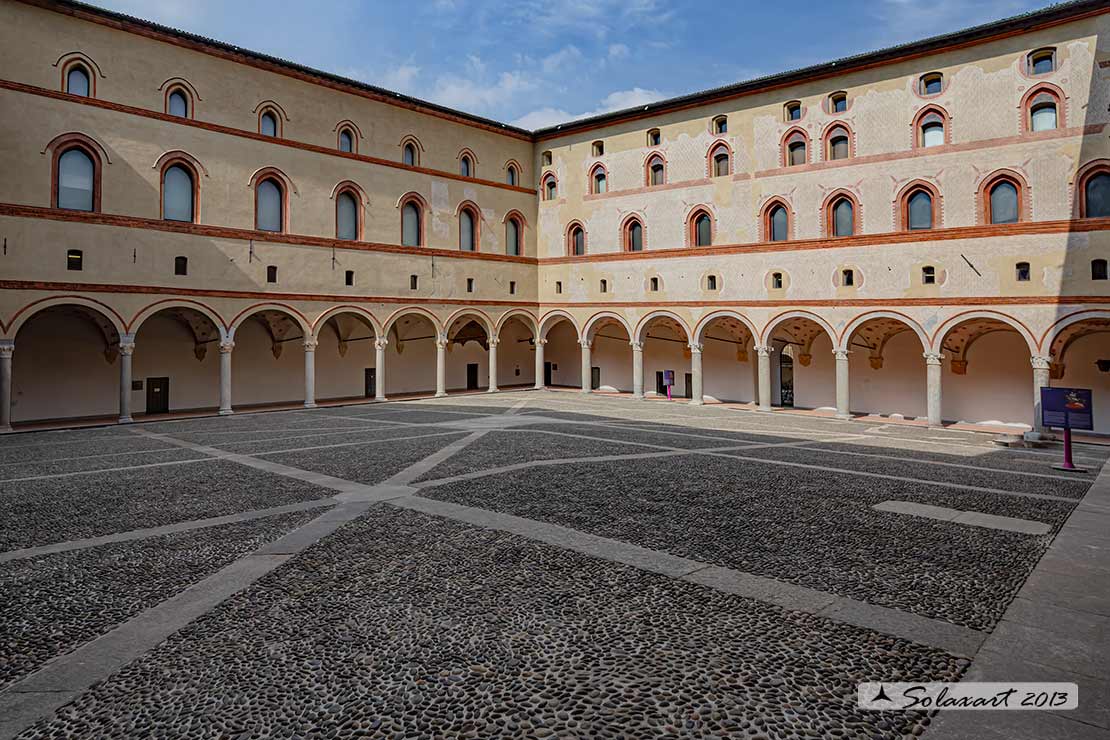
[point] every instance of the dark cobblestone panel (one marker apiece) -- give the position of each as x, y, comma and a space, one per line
297, 439
369, 464
55, 603
682, 441
57, 448
95, 461
812, 528
1018, 462
409, 626
62, 509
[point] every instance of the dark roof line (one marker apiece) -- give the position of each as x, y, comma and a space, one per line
1060, 12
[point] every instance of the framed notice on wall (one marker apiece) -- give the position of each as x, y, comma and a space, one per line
1067, 408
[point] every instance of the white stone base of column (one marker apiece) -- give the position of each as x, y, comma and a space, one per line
440, 395
225, 412
6, 430
309, 405
493, 390
126, 420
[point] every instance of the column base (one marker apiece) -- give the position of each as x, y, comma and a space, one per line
6, 430
379, 399
225, 412
764, 408
540, 388
585, 392
126, 420
492, 390
440, 395
844, 417
694, 402
310, 404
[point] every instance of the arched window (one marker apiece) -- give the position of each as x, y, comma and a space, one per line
633, 236
1041, 62
408, 155
930, 128
412, 223
269, 206
346, 141
468, 229
919, 209
545, 159
1004, 202
654, 138
576, 241
76, 180
838, 102
78, 80
466, 167
346, 216
268, 124
178, 194
180, 265
721, 167
512, 237
599, 180
1096, 195
1098, 269
794, 153
656, 171
549, 187
792, 111
177, 104
511, 175
838, 145
848, 277
776, 280
1042, 111
778, 223
842, 217
720, 125
931, 84
700, 228
598, 148
654, 283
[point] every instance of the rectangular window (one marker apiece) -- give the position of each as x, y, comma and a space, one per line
412, 282
1023, 272
349, 277
776, 281
74, 259
470, 285
928, 275
711, 282
558, 286
271, 274
512, 287
180, 266
849, 278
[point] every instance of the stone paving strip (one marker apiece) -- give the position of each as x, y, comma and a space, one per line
970, 518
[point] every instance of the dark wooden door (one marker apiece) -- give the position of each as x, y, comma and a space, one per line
157, 395
595, 378
547, 373
786, 380
371, 382
472, 376
689, 385
659, 387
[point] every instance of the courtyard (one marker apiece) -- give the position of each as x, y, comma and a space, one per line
540, 564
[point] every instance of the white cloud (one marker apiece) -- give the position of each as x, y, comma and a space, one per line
618, 100
618, 51
568, 56
906, 20
400, 78
471, 95
542, 118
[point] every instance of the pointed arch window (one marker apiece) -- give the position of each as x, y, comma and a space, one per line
841, 216
721, 165
77, 180
838, 144
512, 236
776, 221
1095, 192
550, 187
656, 170
599, 180
700, 228
78, 80
269, 205
179, 193
1004, 202
347, 216
346, 141
268, 124
408, 155
634, 236
794, 149
412, 223
466, 166
177, 104
576, 241
931, 126
468, 229
511, 176
1042, 111
919, 209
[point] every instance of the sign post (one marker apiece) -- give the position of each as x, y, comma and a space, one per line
668, 380
1067, 408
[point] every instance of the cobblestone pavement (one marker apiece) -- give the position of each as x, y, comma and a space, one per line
531, 564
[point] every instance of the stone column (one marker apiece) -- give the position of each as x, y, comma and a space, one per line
842, 406
441, 367
225, 376
310, 373
126, 349
7, 347
764, 390
638, 370
586, 365
1041, 379
492, 366
540, 364
934, 362
697, 398
379, 368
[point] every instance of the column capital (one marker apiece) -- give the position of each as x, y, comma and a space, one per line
764, 350
441, 343
933, 358
226, 346
493, 342
310, 345
126, 348
1040, 362
540, 341
841, 354
584, 343
7, 347
637, 346
380, 343
695, 348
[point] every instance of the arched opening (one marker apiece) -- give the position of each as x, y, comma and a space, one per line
1080, 358
468, 348
516, 347
345, 356
66, 365
803, 371
610, 356
562, 353
728, 359
886, 368
176, 365
986, 374
410, 354
268, 364
666, 346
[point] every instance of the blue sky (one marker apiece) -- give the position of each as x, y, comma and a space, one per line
535, 63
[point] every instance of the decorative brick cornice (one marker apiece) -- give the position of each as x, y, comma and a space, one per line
1052, 300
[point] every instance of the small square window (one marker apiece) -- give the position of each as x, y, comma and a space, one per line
349, 277
776, 280
654, 138
598, 148
654, 284
720, 125
848, 278
793, 111
74, 259
928, 275
546, 158
470, 285
180, 265
413, 281
1022, 272
711, 282
558, 286
512, 287
271, 274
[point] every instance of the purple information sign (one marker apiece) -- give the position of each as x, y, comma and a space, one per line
1067, 408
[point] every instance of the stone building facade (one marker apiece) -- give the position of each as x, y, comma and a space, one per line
922, 231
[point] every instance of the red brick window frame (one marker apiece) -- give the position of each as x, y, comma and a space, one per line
835, 130
986, 187
411, 144
549, 187
902, 204
351, 129
924, 81
828, 210
1041, 94
794, 138
421, 206
652, 164
77, 60
183, 92
594, 187
930, 115
471, 209
1044, 54
693, 219
627, 226
67, 142
468, 162
516, 218
285, 186
715, 150
190, 165
351, 189
767, 214
840, 96
789, 107
1086, 173
513, 172
273, 113
574, 228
